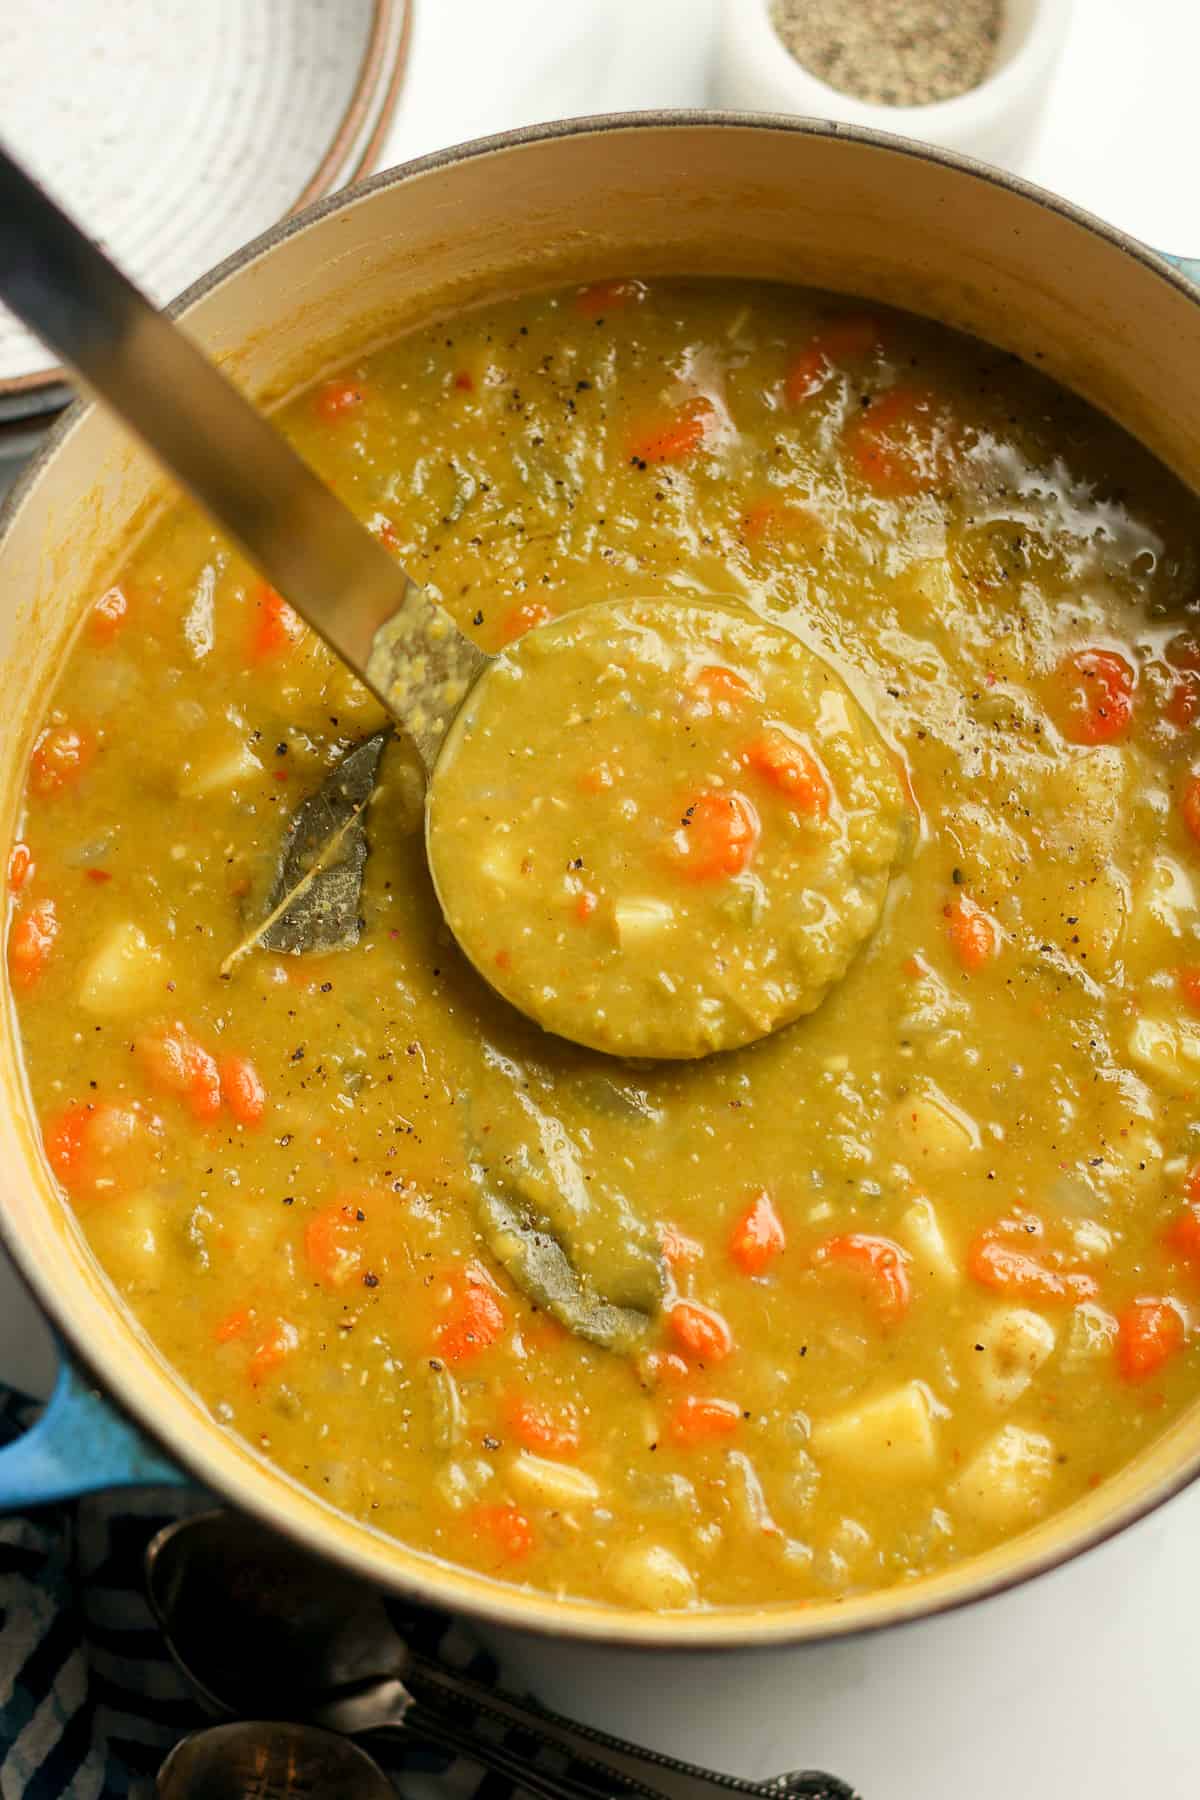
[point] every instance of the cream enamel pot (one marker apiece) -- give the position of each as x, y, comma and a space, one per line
657, 194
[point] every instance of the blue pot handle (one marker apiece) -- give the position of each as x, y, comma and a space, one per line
1187, 265
79, 1445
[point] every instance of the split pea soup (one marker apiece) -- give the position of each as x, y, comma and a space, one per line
837, 1309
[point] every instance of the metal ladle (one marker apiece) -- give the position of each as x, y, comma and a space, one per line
261, 1629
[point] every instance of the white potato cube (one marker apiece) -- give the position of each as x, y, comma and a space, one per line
124, 973
651, 1576
1164, 905
552, 1483
219, 769
1007, 1350
1007, 1481
890, 1437
636, 920
1168, 1050
921, 1233
933, 1133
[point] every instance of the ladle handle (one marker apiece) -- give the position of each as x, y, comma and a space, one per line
451, 1710
310, 546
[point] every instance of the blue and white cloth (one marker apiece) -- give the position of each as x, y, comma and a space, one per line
90, 1701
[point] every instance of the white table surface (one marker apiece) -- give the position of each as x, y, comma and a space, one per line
1084, 1683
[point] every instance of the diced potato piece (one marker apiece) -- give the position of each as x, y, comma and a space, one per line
920, 1232
1162, 906
1007, 1350
1089, 1338
650, 1575
218, 769
552, 1483
1168, 1050
459, 1484
933, 1132
124, 974
636, 920
1007, 1480
126, 1232
890, 1437
1084, 794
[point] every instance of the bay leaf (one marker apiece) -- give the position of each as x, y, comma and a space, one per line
315, 899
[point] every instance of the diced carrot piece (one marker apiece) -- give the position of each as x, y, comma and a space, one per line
1190, 806
700, 1331
1092, 698
333, 1243
97, 876
60, 757
779, 522
1188, 983
476, 1317
600, 298
717, 835
507, 1529
674, 438
696, 1419
275, 1343
900, 444
233, 1326
464, 381
974, 934
108, 616
177, 1064
337, 398
95, 1147
276, 625
997, 1260
242, 1089
603, 776
585, 905
1182, 1236
20, 867
850, 339
789, 767
662, 1367
758, 1236
30, 942
544, 1428
883, 1264
678, 1249
1150, 1333
718, 689
524, 618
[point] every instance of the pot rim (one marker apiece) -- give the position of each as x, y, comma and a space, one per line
424, 1579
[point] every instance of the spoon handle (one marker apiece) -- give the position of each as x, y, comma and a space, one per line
230, 458
457, 1713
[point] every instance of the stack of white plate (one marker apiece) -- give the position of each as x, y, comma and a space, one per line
177, 132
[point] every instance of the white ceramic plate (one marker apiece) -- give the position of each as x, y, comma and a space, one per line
176, 131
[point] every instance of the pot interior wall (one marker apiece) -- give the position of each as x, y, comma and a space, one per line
762, 200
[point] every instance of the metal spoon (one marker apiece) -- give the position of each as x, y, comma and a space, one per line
259, 1627
267, 1760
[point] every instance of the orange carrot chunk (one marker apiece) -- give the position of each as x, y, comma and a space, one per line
678, 1249
274, 1343
333, 1243
696, 1419
718, 689
506, 1528
96, 1147
551, 1430
600, 298
700, 1331
20, 867
717, 835
1190, 806
1182, 1236
476, 1317
675, 438
837, 342
974, 935
276, 625
758, 1237
1188, 983
30, 942
60, 757
242, 1088
523, 618
177, 1064
1150, 1333
899, 444
1093, 698
880, 1261
337, 398
789, 767
108, 616
998, 1259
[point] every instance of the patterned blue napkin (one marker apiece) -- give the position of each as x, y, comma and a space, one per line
90, 1701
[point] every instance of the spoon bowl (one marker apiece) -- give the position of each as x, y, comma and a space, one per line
273, 1759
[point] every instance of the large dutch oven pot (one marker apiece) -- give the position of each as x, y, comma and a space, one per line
681, 193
